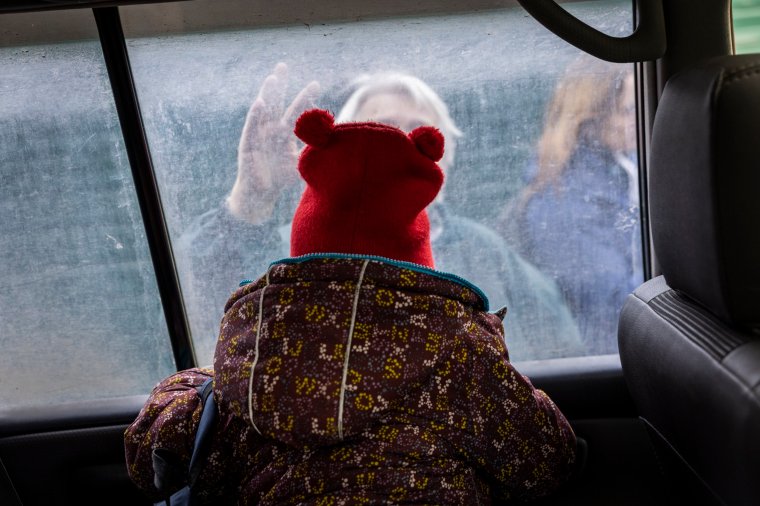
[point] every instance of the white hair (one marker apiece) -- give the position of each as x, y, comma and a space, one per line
416, 90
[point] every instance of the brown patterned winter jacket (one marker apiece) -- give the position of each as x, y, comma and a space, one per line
360, 381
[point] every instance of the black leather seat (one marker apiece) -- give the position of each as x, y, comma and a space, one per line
690, 339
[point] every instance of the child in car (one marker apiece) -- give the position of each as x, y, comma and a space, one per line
353, 372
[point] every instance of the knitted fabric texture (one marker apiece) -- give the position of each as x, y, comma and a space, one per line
415, 402
367, 188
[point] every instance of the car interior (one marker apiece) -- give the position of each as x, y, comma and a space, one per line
666, 420
686, 337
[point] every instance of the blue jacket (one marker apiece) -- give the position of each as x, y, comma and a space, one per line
584, 232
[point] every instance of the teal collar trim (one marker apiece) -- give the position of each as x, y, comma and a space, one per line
398, 263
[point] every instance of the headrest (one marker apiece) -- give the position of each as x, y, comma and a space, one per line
705, 186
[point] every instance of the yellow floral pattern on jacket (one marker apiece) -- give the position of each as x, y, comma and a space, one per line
373, 384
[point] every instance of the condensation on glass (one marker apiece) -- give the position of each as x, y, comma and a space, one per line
80, 315
540, 206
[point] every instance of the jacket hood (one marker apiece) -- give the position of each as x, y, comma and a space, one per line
320, 348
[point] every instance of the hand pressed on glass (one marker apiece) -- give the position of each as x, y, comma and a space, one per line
267, 152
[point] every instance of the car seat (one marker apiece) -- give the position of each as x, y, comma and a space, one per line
690, 339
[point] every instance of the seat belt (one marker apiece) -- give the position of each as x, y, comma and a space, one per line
168, 471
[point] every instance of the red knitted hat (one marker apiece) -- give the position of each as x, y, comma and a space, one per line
367, 186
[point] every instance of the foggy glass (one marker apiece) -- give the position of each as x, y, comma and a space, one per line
496, 71
80, 315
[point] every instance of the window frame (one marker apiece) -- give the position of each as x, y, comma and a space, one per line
116, 58
109, 23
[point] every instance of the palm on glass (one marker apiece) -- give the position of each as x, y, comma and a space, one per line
267, 153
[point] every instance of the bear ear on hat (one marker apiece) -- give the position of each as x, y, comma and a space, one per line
429, 141
315, 126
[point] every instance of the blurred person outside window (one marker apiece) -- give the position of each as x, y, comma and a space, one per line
578, 217
244, 232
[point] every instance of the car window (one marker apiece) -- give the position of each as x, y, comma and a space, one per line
746, 14
540, 206
80, 315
